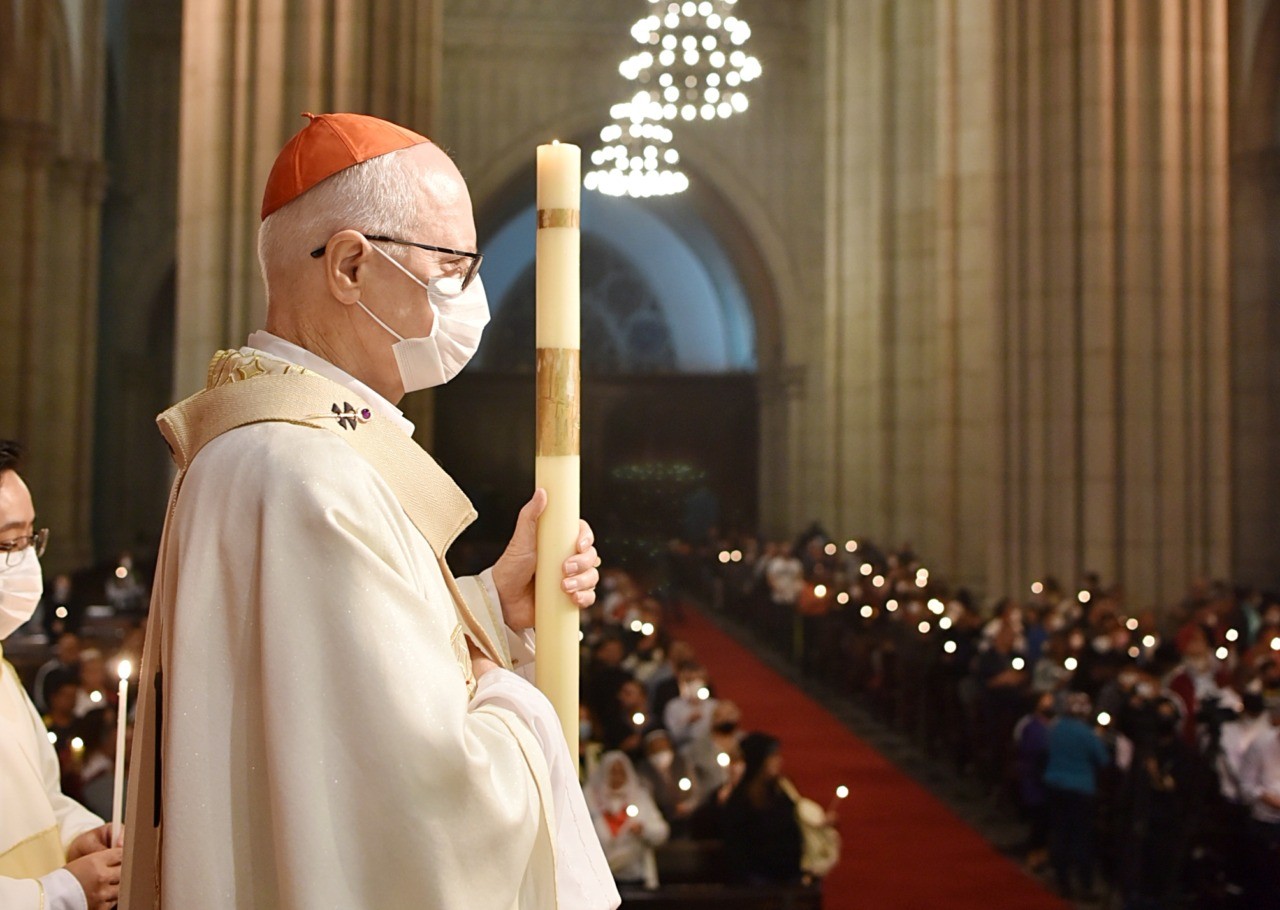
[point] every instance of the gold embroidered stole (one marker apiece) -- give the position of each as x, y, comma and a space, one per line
41, 852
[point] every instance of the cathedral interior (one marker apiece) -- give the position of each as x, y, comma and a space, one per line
992, 281
997, 278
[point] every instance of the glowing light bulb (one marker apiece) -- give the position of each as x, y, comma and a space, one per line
842, 792
77, 744
646, 629
723, 759
1084, 597
1131, 624
944, 622
1017, 663
829, 549
949, 647
842, 598
850, 546
685, 784
937, 606
1232, 635
724, 556
819, 590
121, 571
61, 612
924, 626
734, 555
878, 581
866, 569
636, 625
1148, 641
866, 611
1222, 653
891, 605
637, 718
632, 811
704, 693
1070, 663
53, 738
95, 696
1103, 718
1037, 588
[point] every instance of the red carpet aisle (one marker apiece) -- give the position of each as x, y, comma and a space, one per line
902, 848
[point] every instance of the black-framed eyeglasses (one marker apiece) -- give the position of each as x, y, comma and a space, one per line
13, 549
473, 258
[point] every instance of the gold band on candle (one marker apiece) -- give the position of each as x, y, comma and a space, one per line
550, 218
559, 408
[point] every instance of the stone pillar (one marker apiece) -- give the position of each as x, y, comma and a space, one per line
1027, 274
248, 71
51, 178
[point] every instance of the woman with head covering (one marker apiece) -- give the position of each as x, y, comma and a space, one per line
627, 820
761, 836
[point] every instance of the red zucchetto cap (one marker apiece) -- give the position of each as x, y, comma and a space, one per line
328, 144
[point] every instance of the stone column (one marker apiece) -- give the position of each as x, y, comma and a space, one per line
1027, 275
51, 178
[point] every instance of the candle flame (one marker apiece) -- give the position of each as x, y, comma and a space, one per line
124, 669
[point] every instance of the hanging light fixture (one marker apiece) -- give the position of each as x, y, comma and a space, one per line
692, 63
636, 157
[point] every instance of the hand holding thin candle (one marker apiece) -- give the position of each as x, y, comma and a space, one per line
123, 669
841, 792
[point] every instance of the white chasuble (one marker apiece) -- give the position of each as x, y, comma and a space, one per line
37, 822
321, 742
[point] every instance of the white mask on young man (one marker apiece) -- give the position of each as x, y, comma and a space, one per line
21, 587
458, 323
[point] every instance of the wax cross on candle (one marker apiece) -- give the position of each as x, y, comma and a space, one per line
123, 669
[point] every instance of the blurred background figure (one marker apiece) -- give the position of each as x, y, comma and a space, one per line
627, 821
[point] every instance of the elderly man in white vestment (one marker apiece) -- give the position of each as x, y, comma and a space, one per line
327, 717
54, 853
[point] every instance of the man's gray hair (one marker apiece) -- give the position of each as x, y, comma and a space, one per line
378, 196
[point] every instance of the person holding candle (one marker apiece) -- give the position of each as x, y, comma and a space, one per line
53, 852
303, 604
627, 820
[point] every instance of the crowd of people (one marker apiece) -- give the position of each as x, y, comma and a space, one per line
1142, 748
664, 761
667, 761
1140, 745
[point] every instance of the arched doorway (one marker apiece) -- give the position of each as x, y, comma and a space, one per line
670, 406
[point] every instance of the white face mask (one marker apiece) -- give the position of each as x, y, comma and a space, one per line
455, 332
662, 760
21, 587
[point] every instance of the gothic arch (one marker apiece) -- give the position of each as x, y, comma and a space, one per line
745, 230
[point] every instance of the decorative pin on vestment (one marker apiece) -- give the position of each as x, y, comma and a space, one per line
349, 418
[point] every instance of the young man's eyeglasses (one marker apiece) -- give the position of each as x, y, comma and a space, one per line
12, 550
472, 259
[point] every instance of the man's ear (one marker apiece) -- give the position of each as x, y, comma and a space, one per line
346, 259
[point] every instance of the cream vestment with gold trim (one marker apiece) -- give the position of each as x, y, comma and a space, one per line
37, 821
321, 740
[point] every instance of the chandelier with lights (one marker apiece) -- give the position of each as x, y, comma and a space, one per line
691, 65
